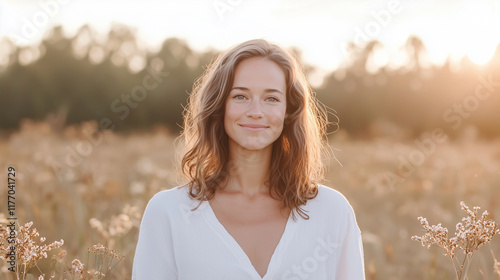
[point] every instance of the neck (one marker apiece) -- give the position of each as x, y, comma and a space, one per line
248, 172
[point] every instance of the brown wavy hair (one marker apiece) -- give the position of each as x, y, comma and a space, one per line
296, 160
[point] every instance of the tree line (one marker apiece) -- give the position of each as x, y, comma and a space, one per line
67, 80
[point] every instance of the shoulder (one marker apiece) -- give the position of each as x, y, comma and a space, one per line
166, 200
334, 206
331, 204
332, 198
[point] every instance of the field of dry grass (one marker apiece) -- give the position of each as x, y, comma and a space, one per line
88, 188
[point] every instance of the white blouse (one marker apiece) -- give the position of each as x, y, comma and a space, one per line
177, 243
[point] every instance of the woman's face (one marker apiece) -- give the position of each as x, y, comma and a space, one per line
256, 104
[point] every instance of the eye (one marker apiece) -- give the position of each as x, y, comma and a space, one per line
237, 97
274, 99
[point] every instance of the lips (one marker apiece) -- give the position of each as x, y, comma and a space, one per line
254, 126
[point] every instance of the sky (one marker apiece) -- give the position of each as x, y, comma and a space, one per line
320, 28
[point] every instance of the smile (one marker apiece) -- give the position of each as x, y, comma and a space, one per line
254, 128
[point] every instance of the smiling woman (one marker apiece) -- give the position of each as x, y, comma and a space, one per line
253, 140
256, 103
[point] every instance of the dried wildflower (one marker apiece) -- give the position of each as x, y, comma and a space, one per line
435, 234
98, 249
104, 259
114, 254
118, 225
28, 252
77, 267
60, 256
496, 267
95, 273
3, 241
496, 264
473, 233
470, 234
102, 265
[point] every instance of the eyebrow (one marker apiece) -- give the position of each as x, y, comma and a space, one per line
266, 90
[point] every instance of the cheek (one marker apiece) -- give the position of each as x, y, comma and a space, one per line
280, 113
278, 116
230, 113
231, 116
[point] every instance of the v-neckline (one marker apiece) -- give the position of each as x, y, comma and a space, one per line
238, 251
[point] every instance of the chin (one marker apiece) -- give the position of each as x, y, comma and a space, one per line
254, 146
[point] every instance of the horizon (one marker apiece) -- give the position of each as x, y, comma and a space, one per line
449, 30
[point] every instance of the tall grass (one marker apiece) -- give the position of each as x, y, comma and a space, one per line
100, 198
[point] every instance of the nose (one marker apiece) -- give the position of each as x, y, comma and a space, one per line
255, 109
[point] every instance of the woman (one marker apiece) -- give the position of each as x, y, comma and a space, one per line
253, 140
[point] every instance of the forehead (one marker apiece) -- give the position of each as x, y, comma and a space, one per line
259, 73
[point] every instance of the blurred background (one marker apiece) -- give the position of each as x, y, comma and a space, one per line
92, 94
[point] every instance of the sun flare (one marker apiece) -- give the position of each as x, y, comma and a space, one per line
481, 30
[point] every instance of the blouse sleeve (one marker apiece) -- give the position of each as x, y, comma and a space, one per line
154, 257
351, 259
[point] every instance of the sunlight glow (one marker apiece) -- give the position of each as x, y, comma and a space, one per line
448, 29
481, 31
